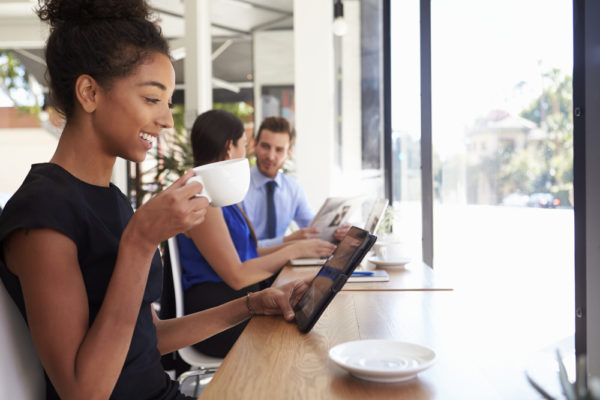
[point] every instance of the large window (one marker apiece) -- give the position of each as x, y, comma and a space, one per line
406, 124
502, 136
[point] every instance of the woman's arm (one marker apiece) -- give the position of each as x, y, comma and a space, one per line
176, 333
83, 361
213, 240
263, 251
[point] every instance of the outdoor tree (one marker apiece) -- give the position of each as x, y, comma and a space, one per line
17, 84
548, 165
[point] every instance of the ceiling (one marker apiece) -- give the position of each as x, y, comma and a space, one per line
232, 24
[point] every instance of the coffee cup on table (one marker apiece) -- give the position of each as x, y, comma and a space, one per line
390, 250
224, 182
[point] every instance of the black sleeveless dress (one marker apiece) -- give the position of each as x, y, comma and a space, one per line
94, 217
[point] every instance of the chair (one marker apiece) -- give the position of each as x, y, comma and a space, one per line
21, 373
201, 363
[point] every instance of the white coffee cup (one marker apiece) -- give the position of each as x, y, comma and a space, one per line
390, 250
224, 182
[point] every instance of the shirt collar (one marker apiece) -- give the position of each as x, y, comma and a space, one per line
258, 179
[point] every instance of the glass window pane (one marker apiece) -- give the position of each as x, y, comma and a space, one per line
406, 123
502, 151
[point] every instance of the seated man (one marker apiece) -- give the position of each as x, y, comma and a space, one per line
275, 199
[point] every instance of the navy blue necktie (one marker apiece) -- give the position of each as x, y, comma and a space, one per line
271, 218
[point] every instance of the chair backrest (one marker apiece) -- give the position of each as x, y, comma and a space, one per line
21, 373
176, 271
189, 354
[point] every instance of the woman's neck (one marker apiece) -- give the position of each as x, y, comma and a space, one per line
79, 154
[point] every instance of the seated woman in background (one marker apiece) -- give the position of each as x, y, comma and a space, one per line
219, 258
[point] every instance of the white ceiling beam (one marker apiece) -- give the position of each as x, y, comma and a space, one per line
225, 85
22, 33
221, 48
31, 56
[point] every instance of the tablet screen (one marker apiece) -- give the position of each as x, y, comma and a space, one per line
332, 276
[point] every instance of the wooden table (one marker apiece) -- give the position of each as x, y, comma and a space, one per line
416, 276
273, 360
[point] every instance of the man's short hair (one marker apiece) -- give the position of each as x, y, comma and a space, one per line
277, 125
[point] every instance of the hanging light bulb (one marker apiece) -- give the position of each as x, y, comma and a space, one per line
340, 27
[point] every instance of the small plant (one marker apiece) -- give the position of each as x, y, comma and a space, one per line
580, 389
386, 224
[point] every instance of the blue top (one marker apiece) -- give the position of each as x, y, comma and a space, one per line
290, 205
195, 268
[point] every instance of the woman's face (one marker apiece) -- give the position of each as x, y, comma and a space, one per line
131, 114
238, 149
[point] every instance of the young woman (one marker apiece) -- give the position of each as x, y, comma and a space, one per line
219, 258
83, 267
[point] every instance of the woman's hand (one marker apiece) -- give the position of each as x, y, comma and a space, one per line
304, 233
176, 209
312, 248
279, 300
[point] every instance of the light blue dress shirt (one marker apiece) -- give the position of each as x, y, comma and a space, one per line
290, 205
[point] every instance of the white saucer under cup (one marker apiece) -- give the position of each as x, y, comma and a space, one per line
389, 263
381, 360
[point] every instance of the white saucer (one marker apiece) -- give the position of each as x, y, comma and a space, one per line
382, 360
399, 262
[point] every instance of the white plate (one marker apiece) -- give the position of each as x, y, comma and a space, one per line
400, 262
382, 360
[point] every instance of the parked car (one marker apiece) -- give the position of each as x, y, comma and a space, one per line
515, 200
543, 200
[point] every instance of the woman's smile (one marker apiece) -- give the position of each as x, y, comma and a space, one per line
148, 139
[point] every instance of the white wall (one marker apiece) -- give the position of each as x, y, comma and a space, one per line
198, 61
304, 58
273, 63
314, 78
351, 103
19, 148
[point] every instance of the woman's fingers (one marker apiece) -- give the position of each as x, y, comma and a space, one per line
324, 248
281, 300
190, 189
298, 290
176, 209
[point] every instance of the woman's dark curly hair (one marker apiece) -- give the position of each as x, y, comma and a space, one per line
106, 39
213, 130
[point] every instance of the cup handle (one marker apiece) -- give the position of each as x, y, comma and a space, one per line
203, 193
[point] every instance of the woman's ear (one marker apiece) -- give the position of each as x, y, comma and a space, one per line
229, 146
86, 92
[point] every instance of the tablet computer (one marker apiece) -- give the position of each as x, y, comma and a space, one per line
332, 276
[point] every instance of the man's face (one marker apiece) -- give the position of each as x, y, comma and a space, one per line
272, 149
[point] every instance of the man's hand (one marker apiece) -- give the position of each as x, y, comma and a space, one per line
303, 233
341, 231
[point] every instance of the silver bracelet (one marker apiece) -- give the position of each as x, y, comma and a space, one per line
250, 310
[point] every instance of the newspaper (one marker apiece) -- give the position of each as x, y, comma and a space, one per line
334, 212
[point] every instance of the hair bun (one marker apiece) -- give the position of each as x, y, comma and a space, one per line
59, 12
